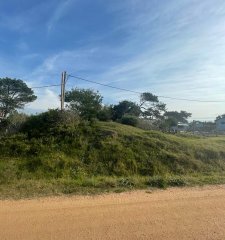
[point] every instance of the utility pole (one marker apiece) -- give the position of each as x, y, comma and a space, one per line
63, 85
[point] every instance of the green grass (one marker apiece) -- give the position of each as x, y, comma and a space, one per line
98, 185
101, 157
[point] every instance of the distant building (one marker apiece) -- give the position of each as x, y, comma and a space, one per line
220, 124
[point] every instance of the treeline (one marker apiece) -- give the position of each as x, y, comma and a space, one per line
149, 112
87, 104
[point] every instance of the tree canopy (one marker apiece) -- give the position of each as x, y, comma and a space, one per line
181, 116
86, 102
125, 107
151, 107
14, 94
172, 118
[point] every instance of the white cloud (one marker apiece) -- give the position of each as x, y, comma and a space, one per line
59, 12
47, 99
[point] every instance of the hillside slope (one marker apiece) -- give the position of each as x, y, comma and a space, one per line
66, 158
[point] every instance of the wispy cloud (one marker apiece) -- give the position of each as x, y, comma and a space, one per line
172, 48
58, 13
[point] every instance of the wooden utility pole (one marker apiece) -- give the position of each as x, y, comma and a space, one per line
63, 85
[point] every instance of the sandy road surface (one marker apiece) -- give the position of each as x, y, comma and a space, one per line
194, 213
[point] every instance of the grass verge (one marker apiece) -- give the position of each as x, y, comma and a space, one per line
98, 185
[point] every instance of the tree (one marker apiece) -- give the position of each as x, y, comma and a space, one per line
87, 103
181, 116
151, 107
14, 94
220, 117
126, 107
168, 123
171, 119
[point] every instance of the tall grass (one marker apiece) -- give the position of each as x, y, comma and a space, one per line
98, 156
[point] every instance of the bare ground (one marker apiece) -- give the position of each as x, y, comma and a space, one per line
188, 213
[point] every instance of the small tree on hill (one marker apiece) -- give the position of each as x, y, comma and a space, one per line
151, 107
126, 107
86, 102
181, 116
171, 119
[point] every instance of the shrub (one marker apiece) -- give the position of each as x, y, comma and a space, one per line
177, 182
16, 121
158, 182
129, 120
105, 114
40, 124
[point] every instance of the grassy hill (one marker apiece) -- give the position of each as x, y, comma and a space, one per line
89, 158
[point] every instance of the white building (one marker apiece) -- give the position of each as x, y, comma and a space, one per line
220, 124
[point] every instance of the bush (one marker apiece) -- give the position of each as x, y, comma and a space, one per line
164, 182
15, 122
158, 182
105, 114
177, 182
37, 125
129, 120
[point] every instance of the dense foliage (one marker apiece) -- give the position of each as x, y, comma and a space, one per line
86, 103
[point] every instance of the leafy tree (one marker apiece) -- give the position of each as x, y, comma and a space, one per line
171, 119
14, 94
151, 107
126, 107
181, 116
86, 102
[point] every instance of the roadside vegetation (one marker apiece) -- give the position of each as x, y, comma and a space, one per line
73, 152
51, 156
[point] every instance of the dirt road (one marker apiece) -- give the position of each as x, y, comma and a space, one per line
194, 213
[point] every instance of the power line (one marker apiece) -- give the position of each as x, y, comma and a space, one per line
126, 90
39, 87
47, 86
136, 92
105, 85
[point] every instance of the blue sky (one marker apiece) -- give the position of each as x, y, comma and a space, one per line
168, 47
